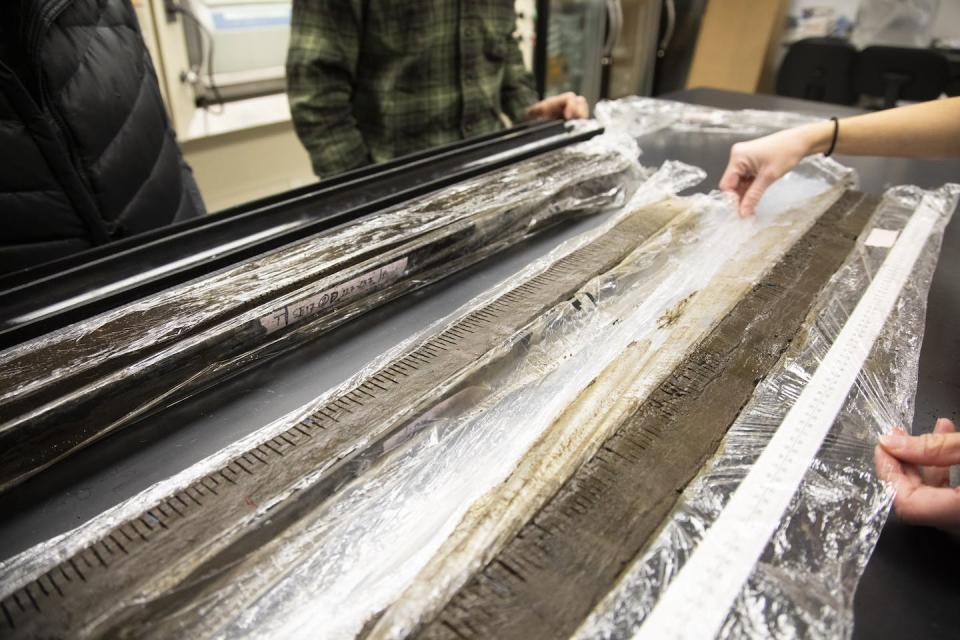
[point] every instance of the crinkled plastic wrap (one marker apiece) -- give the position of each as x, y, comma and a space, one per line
638, 116
351, 557
897, 23
803, 584
163, 348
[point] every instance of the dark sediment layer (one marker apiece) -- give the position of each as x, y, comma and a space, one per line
551, 574
69, 390
160, 567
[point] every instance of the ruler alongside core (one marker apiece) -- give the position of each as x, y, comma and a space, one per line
699, 598
178, 549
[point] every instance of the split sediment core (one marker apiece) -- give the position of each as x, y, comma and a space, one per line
179, 567
161, 567
547, 577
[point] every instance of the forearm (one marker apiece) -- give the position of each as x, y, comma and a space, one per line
517, 102
327, 129
325, 124
926, 130
321, 72
518, 91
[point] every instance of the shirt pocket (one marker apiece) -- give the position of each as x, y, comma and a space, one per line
495, 48
401, 28
499, 23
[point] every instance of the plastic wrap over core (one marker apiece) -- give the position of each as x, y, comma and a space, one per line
349, 559
638, 116
165, 347
804, 582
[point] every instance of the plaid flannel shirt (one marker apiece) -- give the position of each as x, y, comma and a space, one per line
370, 80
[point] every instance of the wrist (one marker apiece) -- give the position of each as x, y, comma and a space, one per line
817, 137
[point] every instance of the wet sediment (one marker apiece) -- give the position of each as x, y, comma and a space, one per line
548, 577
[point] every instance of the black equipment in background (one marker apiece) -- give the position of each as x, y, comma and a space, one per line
901, 73
679, 29
953, 62
820, 69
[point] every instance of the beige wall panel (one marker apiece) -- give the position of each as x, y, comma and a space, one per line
244, 165
737, 44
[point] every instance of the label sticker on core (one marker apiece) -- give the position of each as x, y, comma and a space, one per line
370, 281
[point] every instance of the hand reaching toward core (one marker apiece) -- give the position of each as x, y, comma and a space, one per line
568, 106
925, 130
757, 164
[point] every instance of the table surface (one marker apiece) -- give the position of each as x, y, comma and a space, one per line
909, 588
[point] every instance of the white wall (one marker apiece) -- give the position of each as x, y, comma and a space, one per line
947, 24
526, 28
244, 165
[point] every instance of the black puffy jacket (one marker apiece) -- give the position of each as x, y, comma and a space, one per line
87, 154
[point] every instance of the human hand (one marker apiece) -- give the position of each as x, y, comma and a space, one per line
568, 106
919, 469
756, 164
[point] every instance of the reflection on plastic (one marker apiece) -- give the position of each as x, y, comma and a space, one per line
348, 559
804, 582
638, 116
162, 349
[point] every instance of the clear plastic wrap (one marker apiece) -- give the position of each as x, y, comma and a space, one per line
898, 23
348, 559
163, 348
804, 582
638, 116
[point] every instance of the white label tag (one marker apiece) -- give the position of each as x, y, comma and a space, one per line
296, 311
884, 238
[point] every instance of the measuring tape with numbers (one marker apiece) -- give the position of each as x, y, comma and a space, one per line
698, 600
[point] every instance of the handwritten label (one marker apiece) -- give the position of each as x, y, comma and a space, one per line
331, 298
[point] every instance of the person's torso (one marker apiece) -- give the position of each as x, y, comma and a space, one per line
88, 152
431, 72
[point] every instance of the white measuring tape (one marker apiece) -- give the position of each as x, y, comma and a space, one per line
698, 600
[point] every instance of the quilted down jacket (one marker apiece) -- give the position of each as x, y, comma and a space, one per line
87, 154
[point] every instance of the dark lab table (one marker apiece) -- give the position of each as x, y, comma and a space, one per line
902, 592
910, 588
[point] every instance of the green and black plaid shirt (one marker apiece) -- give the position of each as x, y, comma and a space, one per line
370, 80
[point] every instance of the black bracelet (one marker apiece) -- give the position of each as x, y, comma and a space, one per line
836, 132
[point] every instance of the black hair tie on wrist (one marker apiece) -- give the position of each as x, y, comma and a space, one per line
836, 132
